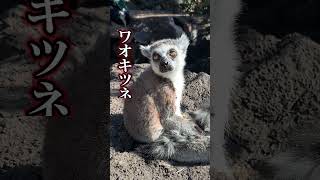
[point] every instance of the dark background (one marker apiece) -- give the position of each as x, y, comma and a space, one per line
280, 17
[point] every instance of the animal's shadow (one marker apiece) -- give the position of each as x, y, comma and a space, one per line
120, 140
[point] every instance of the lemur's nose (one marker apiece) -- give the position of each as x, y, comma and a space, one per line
165, 66
164, 63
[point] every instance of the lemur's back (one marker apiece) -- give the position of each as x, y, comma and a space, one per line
143, 112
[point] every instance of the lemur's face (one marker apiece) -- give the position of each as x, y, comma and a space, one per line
165, 58
168, 55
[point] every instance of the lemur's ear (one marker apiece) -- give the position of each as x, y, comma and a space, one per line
183, 42
145, 51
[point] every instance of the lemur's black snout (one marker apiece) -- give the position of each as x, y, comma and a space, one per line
164, 66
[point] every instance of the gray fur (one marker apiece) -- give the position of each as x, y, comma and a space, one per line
181, 141
202, 117
301, 160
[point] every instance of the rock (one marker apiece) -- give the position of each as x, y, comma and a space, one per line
151, 26
279, 95
197, 90
254, 48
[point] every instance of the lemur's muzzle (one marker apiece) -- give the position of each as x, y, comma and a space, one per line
165, 66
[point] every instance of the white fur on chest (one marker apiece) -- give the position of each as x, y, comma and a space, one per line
177, 79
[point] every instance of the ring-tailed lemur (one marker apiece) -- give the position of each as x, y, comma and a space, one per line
153, 113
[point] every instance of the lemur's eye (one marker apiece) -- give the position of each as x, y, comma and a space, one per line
155, 56
172, 53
